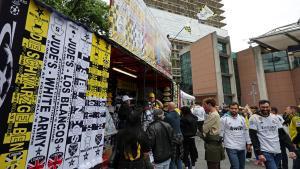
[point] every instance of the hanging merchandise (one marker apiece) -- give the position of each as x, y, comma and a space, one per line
53, 96
167, 95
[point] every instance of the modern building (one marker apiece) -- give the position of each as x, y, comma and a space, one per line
173, 26
211, 70
271, 70
190, 8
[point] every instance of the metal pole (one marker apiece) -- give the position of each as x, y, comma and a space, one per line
178, 34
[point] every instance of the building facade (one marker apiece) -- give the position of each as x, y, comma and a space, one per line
212, 69
268, 75
173, 26
271, 70
190, 8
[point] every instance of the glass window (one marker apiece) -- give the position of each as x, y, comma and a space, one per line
268, 63
275, 62
226, 85
281, 61
186, 73
227, 99
221, 47
296, 62
224, 65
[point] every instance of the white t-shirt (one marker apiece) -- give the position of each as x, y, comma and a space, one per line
267, 132
234, 132
199, 112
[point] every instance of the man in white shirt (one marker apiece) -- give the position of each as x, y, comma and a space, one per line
265, 132
236, 136
199, 112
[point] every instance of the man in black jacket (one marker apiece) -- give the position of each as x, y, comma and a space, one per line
160, 135
188, 125
265, 132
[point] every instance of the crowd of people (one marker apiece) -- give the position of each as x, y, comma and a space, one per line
163, 137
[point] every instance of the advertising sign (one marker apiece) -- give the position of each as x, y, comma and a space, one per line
134, 27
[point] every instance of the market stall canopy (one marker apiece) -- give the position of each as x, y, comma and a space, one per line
280, 38
186, 96
186, 99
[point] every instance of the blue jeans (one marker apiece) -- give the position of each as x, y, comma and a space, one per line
176, 164
163, 165
272, 160
237, 158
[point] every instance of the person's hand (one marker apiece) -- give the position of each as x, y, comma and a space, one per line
249, 147
292, 155
261, 158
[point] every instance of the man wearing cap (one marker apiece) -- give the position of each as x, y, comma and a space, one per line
124, 111
148, 112
154, 103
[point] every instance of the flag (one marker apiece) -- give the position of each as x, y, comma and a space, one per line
188, 29
205, 13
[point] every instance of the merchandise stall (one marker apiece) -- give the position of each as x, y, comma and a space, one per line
140, 58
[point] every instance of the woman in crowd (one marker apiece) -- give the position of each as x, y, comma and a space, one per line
188, 125
132, 145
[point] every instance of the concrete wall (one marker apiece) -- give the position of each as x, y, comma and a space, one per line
280, 89
247, 73
296, 83
203, 67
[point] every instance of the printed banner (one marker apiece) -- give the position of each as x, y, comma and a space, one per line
45, 104
135, 28
53, 84
22, 50
64, 99
78, 103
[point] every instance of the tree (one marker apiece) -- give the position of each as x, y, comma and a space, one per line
92, 13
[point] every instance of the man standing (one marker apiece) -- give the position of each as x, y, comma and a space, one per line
173, 118
294, 130
214, 151
265, 132
124, 111
236, 135
199, 112
151, 104
160, 135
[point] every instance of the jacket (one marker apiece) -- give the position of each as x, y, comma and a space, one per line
160, 135
130, 159
188, 125
214, 150
173, 119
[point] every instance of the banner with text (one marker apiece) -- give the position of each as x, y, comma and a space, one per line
53, 83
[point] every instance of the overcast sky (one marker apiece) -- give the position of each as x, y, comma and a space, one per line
250, 18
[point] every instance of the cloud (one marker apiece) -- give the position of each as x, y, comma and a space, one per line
250, 18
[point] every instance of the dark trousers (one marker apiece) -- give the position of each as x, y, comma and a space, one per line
236, 158
283, 164
190, 153
200, 126
213, 165
296, 162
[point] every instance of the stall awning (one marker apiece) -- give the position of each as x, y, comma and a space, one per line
186, 96
280, 38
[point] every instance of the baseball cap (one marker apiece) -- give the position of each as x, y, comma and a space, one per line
151, 94
125, 98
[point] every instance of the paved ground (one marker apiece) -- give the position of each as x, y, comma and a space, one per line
201, 163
